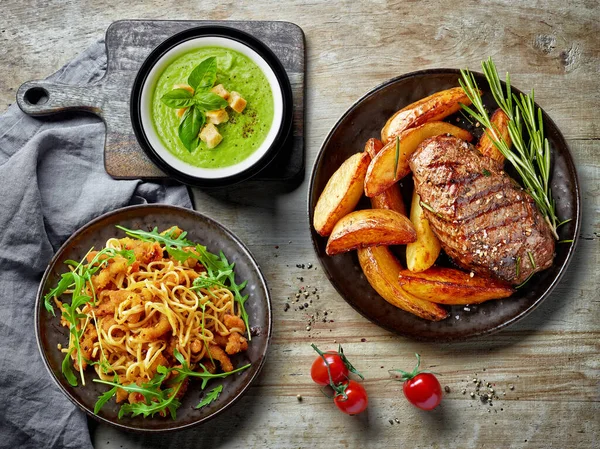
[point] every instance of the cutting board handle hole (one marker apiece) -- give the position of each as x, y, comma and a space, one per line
37, 95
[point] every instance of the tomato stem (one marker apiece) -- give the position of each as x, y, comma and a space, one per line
406, 375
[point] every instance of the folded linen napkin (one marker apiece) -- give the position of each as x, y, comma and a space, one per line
52, 181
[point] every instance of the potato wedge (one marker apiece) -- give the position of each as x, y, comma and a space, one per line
381, 269
380, 174
449, 286
391, 198
422, 253
485, 145
373, 146
341, 194
432, 108
370, 227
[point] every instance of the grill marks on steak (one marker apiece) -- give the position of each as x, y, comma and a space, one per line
485, 221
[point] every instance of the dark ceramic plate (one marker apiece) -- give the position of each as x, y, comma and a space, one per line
200, 229
364, 120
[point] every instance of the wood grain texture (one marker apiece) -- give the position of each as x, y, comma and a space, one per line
551, 357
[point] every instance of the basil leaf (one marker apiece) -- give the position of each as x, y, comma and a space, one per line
178, 98
190, 126
204, 75
208, 101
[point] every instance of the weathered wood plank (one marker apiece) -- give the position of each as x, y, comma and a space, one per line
351, 47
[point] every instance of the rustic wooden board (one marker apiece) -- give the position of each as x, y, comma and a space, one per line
351, 47
128, 44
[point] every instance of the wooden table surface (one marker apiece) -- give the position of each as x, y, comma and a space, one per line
551, 358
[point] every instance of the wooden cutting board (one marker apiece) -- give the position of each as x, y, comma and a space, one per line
128, 43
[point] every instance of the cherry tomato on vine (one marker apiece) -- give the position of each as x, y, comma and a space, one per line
352, 398
337, 368
422, 389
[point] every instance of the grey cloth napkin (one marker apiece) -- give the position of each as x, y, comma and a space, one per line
52, 181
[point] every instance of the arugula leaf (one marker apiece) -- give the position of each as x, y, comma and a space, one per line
104, 399
209, 101
211, 396
76, 281
207, 282
166, 238
67, 368
63, 285
204, 75
205, 375
171, 403
190, 126
155, 399
178, 98
149, 390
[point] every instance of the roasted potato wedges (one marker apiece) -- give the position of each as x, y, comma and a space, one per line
381, 175
486, 146
381, 269
370, 227
422, 253
433, 108
341, 194
450, 286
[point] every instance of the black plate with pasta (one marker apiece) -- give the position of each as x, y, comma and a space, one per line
152, 319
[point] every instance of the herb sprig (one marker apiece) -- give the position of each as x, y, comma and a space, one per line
159, 400
77, 281
218, 269
197, 103
531, 157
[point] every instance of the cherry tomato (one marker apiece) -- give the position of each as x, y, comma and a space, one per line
423, 391
337, 367
355, 401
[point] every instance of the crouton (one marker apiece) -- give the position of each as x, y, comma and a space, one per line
236, 102
217, 117
210, 135
220, 91
184, 87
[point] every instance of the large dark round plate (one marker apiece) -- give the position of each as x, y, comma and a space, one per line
200, 229
364, 120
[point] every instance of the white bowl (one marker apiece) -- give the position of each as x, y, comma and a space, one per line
161, 152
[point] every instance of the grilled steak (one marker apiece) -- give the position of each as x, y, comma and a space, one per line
485, 221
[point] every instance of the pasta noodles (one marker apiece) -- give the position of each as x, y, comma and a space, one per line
158, 306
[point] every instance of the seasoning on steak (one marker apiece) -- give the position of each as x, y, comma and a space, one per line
485, 221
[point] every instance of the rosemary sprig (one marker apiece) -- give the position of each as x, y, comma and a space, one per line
397, 158
531, 154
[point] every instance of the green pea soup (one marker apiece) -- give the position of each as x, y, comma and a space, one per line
243, 134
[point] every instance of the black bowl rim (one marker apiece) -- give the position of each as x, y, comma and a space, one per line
228, 33
437, 339
141, 207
